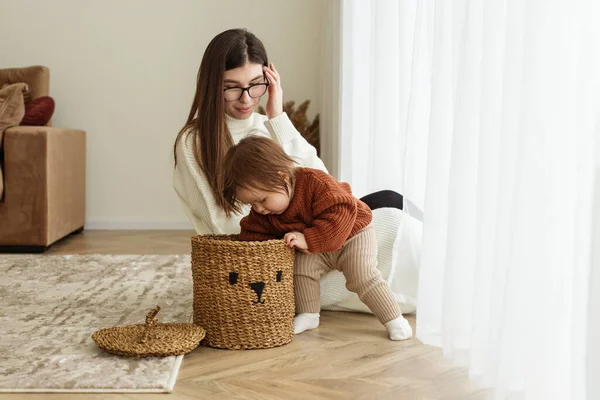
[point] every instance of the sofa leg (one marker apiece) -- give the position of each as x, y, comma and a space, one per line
35, 249
23, 249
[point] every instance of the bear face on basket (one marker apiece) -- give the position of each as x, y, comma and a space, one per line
257, 286
243, 291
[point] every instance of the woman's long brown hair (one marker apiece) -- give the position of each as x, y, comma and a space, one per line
206, 121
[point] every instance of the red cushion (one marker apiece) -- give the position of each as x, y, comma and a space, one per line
38, 111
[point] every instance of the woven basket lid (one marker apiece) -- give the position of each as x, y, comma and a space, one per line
152, 339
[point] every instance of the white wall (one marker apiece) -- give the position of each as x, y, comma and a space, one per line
125, 70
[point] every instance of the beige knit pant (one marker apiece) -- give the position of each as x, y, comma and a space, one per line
357, 260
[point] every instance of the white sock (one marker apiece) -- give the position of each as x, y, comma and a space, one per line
305, 321
398, 328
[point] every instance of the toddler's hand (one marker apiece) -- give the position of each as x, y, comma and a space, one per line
289, 238
296, 240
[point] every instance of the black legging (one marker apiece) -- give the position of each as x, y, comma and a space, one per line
384, 198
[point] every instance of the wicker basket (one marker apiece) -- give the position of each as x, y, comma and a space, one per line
243, 291
152, 339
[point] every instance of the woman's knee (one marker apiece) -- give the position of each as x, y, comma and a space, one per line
384, 198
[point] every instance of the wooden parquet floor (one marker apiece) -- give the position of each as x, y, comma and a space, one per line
348, 357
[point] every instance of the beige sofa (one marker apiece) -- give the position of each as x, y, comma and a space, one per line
44, 176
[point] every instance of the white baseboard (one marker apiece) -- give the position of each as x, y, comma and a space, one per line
138, 225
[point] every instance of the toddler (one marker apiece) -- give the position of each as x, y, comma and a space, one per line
316, 215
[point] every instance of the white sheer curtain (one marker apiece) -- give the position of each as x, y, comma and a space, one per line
485, 114
375, 149
508, 205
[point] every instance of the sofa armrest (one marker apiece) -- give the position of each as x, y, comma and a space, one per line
44, 183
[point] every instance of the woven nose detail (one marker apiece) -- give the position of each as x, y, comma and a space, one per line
258, 289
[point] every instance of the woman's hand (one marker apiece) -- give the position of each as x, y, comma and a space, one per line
296, 240
275, 102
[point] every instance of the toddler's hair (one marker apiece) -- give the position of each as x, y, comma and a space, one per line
256, 162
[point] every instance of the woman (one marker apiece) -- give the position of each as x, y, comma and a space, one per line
234, 74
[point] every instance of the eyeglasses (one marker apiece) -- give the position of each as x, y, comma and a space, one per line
236, 93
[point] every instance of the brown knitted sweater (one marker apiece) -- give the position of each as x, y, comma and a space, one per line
323, 209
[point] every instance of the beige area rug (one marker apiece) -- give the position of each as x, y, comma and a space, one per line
51, 305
